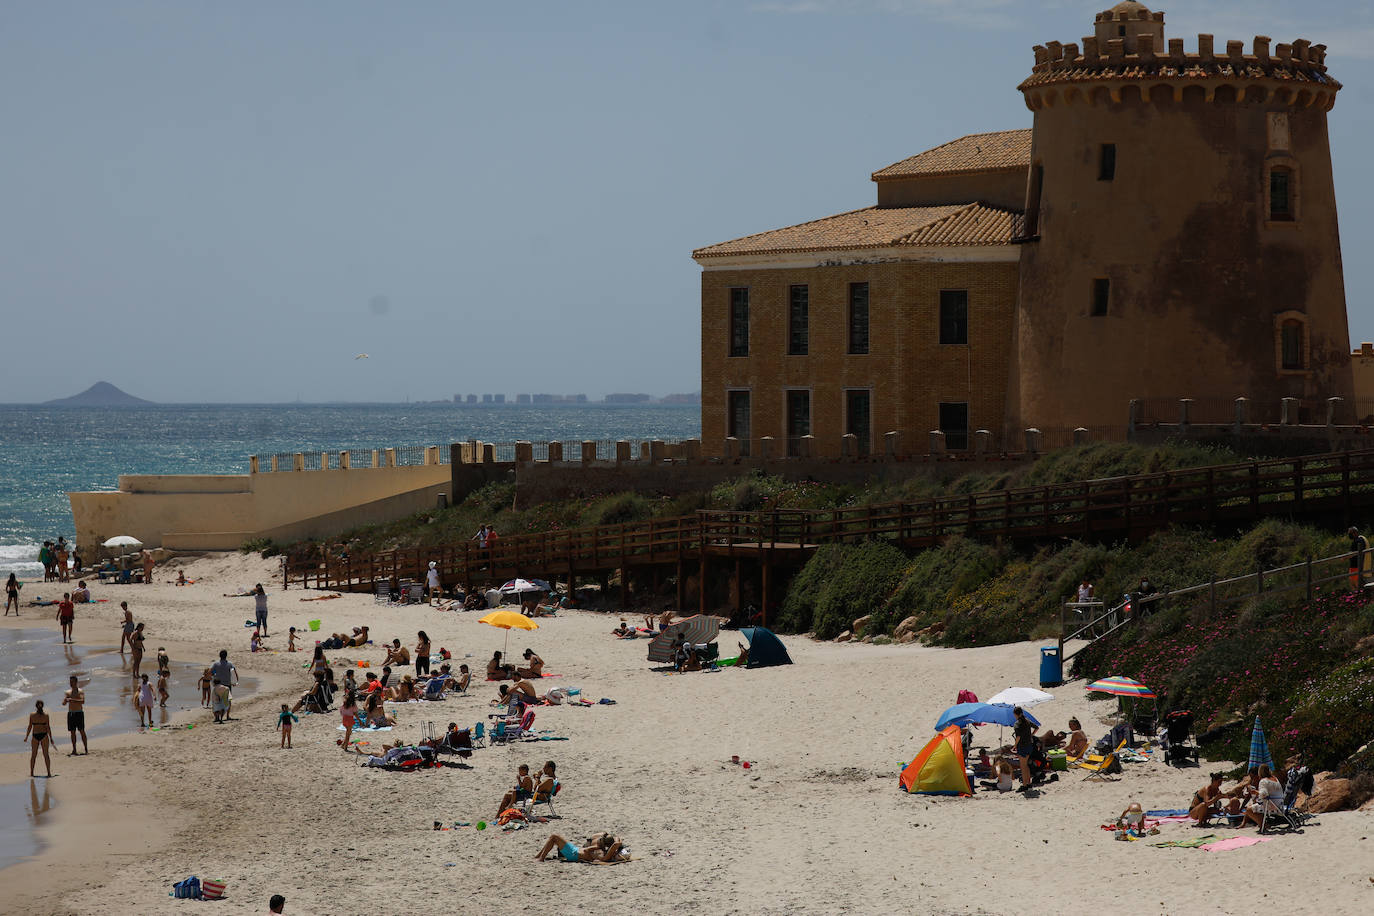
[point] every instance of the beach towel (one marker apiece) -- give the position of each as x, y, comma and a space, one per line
1167, 812
1235, 842
1194, 843
370, 728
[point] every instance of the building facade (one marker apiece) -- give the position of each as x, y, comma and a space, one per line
1167, 228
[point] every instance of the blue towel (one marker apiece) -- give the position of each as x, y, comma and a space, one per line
1167, 812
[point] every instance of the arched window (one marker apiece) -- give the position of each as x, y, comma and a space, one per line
1290, 345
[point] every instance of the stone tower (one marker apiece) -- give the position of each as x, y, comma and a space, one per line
1181, 236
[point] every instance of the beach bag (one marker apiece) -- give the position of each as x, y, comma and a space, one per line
212, 890
187, 890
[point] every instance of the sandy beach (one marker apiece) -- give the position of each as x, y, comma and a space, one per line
816, 825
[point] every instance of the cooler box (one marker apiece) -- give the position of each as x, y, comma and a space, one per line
1051, 667
1058, 761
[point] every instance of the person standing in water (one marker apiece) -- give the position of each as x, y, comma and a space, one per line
12, 595
39, 733
145, 700
128, 627
75, 701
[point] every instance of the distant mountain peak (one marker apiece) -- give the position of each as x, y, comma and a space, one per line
101, 394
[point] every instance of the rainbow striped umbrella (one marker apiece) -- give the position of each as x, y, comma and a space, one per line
1122, 687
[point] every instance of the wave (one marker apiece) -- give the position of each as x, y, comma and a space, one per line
20, 559
10, 696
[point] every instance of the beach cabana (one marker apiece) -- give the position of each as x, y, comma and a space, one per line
939, 768
698, 630
765, 649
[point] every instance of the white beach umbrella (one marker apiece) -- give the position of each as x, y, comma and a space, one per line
1025, 697
123, 540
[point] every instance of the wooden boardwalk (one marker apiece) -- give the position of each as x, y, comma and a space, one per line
1123, 508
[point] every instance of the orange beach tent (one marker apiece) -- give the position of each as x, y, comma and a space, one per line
939, 768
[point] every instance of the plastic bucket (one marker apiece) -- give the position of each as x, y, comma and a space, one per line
314, 626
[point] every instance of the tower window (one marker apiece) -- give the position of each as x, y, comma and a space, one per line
1281, 194
1121, 31
737, 419
1106, 162
1102, 294
739, 321
858, 318
953, 316
798, 320
1290, 345
954, 424
798, 419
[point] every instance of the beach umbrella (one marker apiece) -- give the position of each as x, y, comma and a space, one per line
1025, 697
508, 620
1122, 687
1259, 748
123, 540
981, 714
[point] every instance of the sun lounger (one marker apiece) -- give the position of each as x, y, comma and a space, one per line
1102, 767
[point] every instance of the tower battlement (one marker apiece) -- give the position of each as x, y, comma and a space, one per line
1297, 57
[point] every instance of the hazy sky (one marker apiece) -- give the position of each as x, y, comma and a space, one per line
227, 201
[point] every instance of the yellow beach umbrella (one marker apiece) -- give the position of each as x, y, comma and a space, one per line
508, 620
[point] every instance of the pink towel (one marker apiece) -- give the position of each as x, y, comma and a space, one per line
1236, 842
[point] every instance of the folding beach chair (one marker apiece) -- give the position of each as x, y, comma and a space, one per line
415, 593
434, 687
1285, 815
1104, 766
543, 798
382, 594
505, 731
479, 735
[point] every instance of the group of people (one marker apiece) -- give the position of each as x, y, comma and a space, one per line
58, 559
498, 670
1245, 803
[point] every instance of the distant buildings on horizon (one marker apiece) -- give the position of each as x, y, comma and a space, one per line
571, 400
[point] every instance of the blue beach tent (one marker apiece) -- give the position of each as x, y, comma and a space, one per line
765, 649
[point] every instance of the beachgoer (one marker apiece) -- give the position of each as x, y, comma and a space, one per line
60, 560
348, 714
376, 712
432, 587
163, 695
422, 650
82, 594
497, 671
75, 701
1025, 743
397, 654
39, 733
1006, 778
1050, 738
147, 567
181, 577
1270, 792
128, 626
523, 788
534, 665
404, 691
464, 678
1078, 741
284, 720
164, 661
12, 595
350, 685
222, 701
1206, 801
255, 642
1359, 556
291, 640
205, 683
481, 537
1132, 820
145, 700
624, 631
66, 613
45, 557
224, 670
136, 648
605, 851
260, 608
277, 904
1085, 592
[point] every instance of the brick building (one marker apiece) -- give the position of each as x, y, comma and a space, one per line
1166, 229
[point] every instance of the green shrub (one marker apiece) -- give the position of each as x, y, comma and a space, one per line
264, 546
840, 583
617, 509
934, 578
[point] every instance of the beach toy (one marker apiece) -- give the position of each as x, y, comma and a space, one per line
734, 758
314, 625
745, 764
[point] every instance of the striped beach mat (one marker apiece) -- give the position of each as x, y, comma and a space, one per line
212, 890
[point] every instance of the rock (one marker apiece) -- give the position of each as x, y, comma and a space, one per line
846, 636
1368, 806
1332, 794
907, 637
867, 639
1365, 646
910, 625
862, 622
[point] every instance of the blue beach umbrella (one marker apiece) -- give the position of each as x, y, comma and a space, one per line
981, 714
1259, 748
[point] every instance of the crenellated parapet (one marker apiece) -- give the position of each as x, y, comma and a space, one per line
1136, 68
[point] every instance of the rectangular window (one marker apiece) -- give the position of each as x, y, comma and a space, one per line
739, 321
1291, 340
1102, 294
798, 320
954, 424
737, 419
858, 417
1106, 162
798, 419
858, 318
953, 316
1280, 194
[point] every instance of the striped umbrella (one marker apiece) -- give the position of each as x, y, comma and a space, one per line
698, 630
1122, 687
1259, 748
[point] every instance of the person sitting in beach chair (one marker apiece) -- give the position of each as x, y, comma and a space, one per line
1268, 796
546, 788
1077, 744
1286, 812
434, 687
403, 692
316, 699
523, 789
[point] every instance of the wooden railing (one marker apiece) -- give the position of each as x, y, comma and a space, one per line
1111, 507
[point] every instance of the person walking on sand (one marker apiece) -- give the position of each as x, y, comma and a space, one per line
222, 701
145, 700
147, 567
136, 648
66, 613
127, 626
75, 701
348, 713
224, 670
39, 733
12, 595
260, 608
205, 682
284, 720
163, 695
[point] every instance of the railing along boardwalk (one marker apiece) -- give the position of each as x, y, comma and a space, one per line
1129, 507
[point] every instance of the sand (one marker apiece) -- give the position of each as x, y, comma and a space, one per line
818, 825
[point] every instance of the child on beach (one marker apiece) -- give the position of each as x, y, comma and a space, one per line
205, 682
291, 640
284, 720
255, 642
164, 662
162, 693
145, 701
348, 714
222, 701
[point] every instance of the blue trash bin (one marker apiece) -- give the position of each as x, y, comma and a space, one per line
1051, 667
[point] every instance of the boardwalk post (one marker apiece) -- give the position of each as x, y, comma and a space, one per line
1259, 581
1212, 596
1309, 578
763, 598
681, 587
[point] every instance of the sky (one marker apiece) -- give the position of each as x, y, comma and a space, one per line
229, 201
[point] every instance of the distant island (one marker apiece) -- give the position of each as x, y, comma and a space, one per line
101, 394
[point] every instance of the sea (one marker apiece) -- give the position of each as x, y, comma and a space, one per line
46, 452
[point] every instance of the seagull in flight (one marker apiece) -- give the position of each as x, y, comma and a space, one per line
361, 356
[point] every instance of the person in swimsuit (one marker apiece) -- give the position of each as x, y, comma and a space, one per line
146, 696
422, 650
534, 665
497, 671
284, 720
163, 694
605, 851
464, 678
396, 654
376, 712
206, 682
523, 788
66, 613
128, 626
348, 713
1078, 742
291, 640
12, 595
75, 701
164, 661
39, 733
136, 648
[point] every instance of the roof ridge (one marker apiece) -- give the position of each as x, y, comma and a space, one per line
752, 235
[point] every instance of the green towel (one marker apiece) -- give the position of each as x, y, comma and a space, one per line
1193, 843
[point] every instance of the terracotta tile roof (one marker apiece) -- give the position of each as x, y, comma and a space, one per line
885, 227
1003, 149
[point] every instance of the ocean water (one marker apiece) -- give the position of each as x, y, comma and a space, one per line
46, 452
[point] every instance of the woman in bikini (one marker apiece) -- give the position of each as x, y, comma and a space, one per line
535, 665
422, 649
12, 595
39, 734
205, 683
376, 712
136, 648
403, 691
